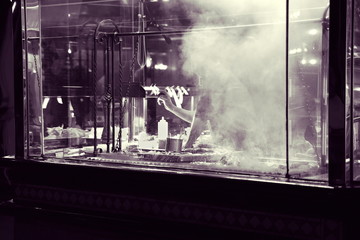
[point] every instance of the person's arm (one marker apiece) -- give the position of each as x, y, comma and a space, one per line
200, 119
197, 123
197, 118
197, 127
184, 114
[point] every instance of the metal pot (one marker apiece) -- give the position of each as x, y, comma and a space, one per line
173, 144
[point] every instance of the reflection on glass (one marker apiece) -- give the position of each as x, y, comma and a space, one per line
308, 44
33, 74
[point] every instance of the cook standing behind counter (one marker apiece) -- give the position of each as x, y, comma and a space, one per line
226, 131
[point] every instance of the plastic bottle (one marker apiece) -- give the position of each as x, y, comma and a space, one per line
162, 129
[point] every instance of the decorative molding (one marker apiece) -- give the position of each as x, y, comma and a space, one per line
294, 227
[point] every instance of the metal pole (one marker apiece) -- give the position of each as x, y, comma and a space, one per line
108, 92
94, 70
27, 111
351, 132
112, 93
287, 175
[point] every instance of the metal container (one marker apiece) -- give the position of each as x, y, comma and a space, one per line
162, 144
173, 144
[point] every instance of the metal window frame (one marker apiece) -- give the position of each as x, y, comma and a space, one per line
336, 88
337, 92
19, 81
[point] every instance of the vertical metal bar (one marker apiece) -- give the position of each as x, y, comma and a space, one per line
87, 57
351, 132
18, 80
94, 70
104, 133
132, 73
337, 92
80, 59
108, 86
42, 145
103, 100
112, 93
27, 87
120, 96
287, 175
323, 87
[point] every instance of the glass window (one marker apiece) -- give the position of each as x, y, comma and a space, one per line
32, 73
308, 73
190, 84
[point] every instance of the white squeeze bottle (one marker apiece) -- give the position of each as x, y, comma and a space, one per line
162, 129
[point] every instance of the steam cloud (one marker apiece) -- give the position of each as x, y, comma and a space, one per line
243, 68
247, 64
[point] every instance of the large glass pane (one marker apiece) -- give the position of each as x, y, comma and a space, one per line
230, 60
190, 84
308, 54
32, 73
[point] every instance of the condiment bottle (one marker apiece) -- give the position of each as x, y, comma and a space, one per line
163, 129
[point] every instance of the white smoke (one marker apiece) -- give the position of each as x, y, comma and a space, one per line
243, 68
241, 63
